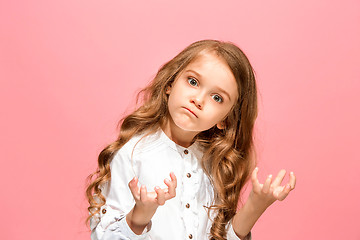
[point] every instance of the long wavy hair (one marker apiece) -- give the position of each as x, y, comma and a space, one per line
228, 153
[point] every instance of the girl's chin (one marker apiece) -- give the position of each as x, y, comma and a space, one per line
186, 126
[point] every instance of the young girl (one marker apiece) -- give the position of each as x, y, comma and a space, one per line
182, 158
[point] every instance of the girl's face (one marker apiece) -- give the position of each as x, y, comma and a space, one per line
203, 94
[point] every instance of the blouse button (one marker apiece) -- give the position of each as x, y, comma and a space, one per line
186, 151
188, 175
187, 205
103, 211
190, 236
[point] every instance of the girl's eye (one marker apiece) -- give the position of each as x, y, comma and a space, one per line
218, 98
192, 82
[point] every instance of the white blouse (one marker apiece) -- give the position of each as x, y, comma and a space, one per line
151, 160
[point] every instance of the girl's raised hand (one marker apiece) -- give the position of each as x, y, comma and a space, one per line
146, 202
263, 195
153, 199
260, 198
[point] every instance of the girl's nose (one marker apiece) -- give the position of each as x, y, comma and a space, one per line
197, 102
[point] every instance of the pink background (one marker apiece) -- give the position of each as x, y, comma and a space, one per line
70, 69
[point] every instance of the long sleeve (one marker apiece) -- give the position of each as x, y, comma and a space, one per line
111, 223
118, 230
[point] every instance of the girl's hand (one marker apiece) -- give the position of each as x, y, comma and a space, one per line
152, 200
146, 202
263, 195
260, 198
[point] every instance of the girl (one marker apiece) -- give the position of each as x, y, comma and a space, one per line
195, 125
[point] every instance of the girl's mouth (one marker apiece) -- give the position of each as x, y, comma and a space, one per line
191, 112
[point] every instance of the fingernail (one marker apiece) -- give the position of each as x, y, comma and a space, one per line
256, 168
292, 173
270, 176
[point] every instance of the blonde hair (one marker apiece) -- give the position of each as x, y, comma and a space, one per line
227, 158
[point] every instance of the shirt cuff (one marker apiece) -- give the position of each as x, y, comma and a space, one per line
123, 228
111, 224
231, 235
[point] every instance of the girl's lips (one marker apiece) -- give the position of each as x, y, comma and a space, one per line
191, 111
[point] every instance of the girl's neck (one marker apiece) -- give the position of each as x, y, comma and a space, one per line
179, 136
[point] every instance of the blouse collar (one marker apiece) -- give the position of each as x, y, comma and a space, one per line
194, 147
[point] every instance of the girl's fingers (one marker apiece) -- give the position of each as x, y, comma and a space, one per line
283, 194
267, 184
290, 186
143, 193
173, 178
160, 196
171, 191
292, 180
134, 188
255, 181
279, 178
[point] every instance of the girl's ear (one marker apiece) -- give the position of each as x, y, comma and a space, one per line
220, 125
168, 89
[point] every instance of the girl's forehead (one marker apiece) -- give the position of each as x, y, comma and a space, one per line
206, 59
210, 63
206, 54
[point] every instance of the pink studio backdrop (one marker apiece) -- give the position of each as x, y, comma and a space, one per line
70, 69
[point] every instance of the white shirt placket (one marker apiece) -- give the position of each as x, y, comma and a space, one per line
188, 201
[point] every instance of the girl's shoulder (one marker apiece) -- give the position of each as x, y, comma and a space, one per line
143, 142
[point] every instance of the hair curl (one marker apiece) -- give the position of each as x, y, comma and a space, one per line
227, 159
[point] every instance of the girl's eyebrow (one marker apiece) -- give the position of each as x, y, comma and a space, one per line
217, 87
223, 91
196, 73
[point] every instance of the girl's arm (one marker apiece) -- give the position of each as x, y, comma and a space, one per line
146, 203
260, 198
